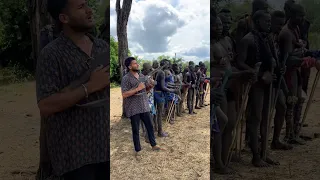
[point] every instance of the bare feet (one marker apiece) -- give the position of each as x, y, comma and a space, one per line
306, 138
271, 162
259, 163
277, 145
197, 107
163, 134
137, 155
157, 148
296, 140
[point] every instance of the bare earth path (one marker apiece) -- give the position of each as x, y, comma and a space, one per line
187, 149
301, 163
186, 157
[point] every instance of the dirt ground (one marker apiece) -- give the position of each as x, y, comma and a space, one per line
301, 163
186, 154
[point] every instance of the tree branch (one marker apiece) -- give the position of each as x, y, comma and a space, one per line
126, 8
118, 8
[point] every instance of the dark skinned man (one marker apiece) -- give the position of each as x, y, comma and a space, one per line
290, 43
257, 46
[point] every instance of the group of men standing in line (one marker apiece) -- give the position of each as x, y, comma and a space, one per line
265, 63
159, 90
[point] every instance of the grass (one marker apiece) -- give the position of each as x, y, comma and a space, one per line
314, 39
11, 75
114, 85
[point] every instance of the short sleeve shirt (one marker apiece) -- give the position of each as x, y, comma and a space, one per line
135, 104
76, 136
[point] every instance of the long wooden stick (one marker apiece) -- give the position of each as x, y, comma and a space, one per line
314, 86
268, 124
241, 112
239, 117
170, 111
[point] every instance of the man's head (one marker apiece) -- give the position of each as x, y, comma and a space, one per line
191, 63
180, 68
131, 64
287, 8
146, 68
259, 5
155, 64
202, 66
297, 14
191, 68
196, 68
175, 68
165, 62
262, 21
75, 14
278, 20
217, 27
226, 23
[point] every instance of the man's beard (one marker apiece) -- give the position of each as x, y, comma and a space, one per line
135, 70
82, 28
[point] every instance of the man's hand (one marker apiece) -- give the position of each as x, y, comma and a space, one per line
217, 97
141, 87
298, 52
275, 78
99, 79
283, 70
251, 75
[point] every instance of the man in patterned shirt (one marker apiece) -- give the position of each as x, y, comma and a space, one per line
135, 102
77, 137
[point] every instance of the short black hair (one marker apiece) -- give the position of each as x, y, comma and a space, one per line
278, 14
287, 8
128, 61
55, 7
297, 10
257, 15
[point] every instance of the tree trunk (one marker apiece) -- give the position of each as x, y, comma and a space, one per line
122, 21
39, 17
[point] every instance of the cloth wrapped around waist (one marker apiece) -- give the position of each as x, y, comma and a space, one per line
159, 97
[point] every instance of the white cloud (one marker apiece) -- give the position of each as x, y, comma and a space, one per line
165, 27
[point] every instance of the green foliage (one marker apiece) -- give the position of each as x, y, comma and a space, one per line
114, 65
312, 14
314, 39
15, 36
14, 74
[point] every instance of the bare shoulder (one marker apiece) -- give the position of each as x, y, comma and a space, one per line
285, 33
248, 39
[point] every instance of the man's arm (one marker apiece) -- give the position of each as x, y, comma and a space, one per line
242, 56
129, 93
163, 83
126, 89
48, 83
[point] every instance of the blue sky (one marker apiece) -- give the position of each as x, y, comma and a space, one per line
165, 27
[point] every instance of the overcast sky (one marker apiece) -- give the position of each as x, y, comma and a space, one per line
165, 27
